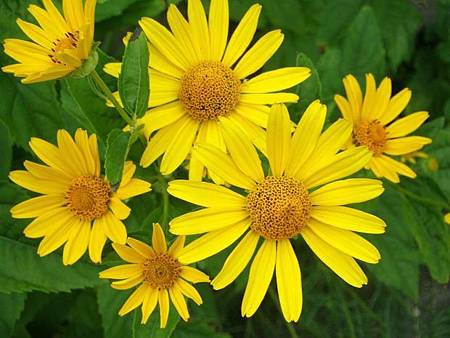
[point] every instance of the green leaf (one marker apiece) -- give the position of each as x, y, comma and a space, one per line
362, 47
117, 146
86, 107
11, 307
311, 89
6, 144
134, 85
152, 329
22, 270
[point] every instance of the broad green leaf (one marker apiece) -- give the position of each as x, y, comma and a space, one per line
134, 85
311, 89
117, 146
22, 270
11, 306
152, 329
89, 110
10, 195
6, 149
362, 47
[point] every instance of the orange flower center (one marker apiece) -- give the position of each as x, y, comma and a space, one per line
88, 197
209, 90
69, 41
279, 207
161, 271
372, 135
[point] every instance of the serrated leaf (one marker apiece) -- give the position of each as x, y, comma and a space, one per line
117, 146
11, 306
6, 149
134, 83
24, 270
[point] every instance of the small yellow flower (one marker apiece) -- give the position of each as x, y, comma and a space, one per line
78, 207
60, 45
447, 218
159, 274
303, 194
371, 118
197, 75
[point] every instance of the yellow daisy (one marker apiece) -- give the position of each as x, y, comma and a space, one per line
196, 76
159, 274
78, 207
60, 43
447, 218
303, 194
373, 128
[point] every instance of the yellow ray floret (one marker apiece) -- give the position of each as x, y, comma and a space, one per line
158, 273
60, 42
303, 194
377, 127
78, 207
198, 76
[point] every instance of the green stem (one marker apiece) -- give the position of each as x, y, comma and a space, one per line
419, 198
165, 196
105, 89
289, 326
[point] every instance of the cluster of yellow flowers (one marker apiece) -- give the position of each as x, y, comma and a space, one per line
207, 109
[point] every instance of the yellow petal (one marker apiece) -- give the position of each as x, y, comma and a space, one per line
133, 188
30, 182
77, 242
268, 98
158, 239
349, 219
82, 141
369, 97
114, 228
176, 246
276, 80
96, 242
352, 190
261, 272
123, 271
162, 116
135, 299
346, 241
407, 125
380, 169
120, 209
405, 145
396, 105
397, 167
179, 302
343, 164
381, 99
73, 154
193, 275
242, 150
189, 291
37, 206
54, 240
142, 248
212, 243
256, 134
289, 282
163, 299
242, 36
218, 28
149, 304
305, 137
164, 65
341, 264
35, 33
127, 283
199, 27
278, 139
256, 113
205, 194
354, 95
206, 220
222, 165
259, 54
128, 254
48, 222
346, 110
159, 143
236, 261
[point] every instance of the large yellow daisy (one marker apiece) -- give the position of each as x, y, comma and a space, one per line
60, 45
159, 274
197, 76
373, 128
303, 194
78, 207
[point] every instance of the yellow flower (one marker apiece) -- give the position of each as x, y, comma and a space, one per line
303, 194
411, 157
78, 207
61, 43
371, 118
159, 274
447, 218
196, 76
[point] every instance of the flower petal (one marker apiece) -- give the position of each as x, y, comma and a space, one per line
278, 139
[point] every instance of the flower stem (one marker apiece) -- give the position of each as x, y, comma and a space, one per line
290, 327
165, 198
104, 88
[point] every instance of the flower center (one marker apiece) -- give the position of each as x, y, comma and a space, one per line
161, 271
88, 197
372, 135
279, 207
209, 90
69, 41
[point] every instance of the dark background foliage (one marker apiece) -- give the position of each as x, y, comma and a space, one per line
407, 295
